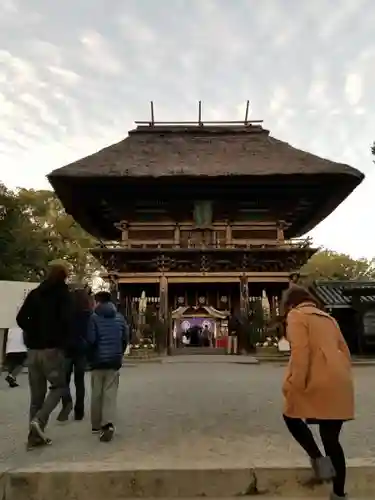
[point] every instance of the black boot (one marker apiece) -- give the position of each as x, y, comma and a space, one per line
79, 414
11, 381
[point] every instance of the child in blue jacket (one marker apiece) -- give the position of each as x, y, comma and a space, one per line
107, 338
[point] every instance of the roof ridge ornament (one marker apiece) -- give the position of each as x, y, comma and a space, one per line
200, 123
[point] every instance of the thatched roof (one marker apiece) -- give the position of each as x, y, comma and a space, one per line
161, 151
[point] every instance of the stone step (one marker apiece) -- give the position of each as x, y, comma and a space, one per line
187, 351
109, 481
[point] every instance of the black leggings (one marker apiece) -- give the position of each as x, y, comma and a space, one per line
330, 434
15, 362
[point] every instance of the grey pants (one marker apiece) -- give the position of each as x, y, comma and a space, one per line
45, 366
104, 387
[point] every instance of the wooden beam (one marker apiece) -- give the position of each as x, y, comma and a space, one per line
248, 242
139, 279
247, 112
135, 278
228, 236
234, 274
177, 236
218, 225
226, 122
158, 242
152, 114
164, 311
280, 234
152, 226
259, 226
163, 298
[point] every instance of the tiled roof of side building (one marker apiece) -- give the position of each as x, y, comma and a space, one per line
339, 293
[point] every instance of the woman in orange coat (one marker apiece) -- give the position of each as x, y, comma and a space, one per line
318, 386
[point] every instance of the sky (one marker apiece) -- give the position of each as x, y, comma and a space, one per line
74, 76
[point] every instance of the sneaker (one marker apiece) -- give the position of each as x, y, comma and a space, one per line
333, 496
66, 410
12, 381
323, 468
35, 441
94, 430
106, 433
37, 430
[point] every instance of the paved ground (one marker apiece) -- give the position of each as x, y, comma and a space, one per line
185, 414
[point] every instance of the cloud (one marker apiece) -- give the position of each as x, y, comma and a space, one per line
14, 14
317, 94
353, 88
46, 116
18, 70
6, 106
135, 30
99, 55
279, 99
9, 7
69, 77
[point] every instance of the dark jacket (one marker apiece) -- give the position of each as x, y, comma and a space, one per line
78, 338
46, 316
107, 336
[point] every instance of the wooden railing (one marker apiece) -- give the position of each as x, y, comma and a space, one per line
295, 243
221, 234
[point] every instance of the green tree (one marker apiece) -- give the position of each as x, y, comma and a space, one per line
22, 255
35, 229
62, 237
326, 264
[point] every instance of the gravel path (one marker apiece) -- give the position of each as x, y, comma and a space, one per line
208, 413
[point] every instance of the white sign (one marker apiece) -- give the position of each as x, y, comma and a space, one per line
15, 341
12, 295
284, 345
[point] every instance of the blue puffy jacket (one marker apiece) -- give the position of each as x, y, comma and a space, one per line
107, 337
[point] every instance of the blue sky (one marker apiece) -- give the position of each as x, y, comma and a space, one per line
75, 75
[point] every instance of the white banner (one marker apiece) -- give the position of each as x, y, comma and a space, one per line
12, 295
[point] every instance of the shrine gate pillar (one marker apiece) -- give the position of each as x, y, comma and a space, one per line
164, 312
244, 296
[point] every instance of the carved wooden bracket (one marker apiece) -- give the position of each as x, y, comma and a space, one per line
123, 226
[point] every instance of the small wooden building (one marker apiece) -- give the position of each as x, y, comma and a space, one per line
205, 214
352, 304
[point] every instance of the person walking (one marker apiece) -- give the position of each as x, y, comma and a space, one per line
16, 354
108, 336
75, 356
318, 386
45, 318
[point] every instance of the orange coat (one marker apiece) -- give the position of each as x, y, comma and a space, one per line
318, 383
